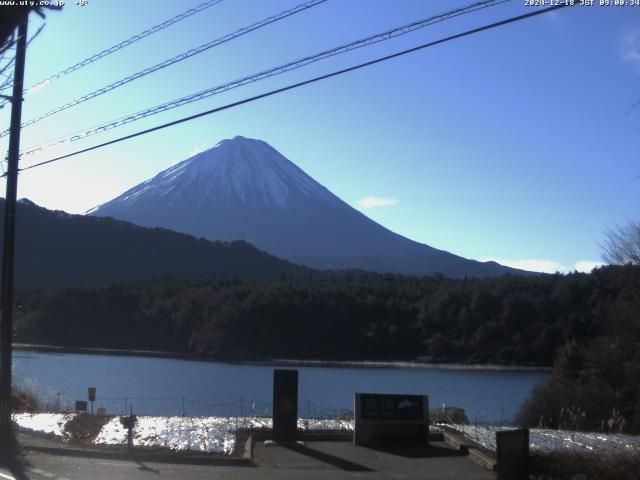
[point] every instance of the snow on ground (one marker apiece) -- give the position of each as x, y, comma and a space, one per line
42, 422
547, 440
217, 434
204, 434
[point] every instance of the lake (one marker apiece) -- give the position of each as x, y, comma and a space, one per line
164, 386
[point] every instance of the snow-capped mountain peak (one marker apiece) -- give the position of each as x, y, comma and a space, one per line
242, 169
244, 189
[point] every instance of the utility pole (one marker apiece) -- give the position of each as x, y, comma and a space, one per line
6, 326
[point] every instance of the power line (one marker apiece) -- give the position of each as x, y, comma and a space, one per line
303, 83
123, 44
379, 37
178, 58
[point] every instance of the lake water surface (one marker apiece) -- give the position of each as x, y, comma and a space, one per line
162, 386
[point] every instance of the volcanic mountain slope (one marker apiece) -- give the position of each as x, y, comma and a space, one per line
54, 248
245, 189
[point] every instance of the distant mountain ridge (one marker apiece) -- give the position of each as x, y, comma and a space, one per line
54, 248
245, 189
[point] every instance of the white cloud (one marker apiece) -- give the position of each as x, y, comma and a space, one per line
196, 149
587, 265
38, 87
630, 47
547, 266
531, 264
374, 202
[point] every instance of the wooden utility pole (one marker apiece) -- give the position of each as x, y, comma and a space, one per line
6, 321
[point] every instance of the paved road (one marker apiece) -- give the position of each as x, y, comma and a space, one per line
57, 467
314, 460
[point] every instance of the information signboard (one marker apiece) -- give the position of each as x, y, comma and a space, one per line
391, 418
391, 407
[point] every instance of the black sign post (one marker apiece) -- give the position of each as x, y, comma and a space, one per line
512, 454
128, 423
92, 397
285, 405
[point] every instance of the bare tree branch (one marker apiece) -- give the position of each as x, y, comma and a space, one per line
7, 44
622, 245
7, 81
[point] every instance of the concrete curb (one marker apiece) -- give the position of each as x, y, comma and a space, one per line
474, 452
457, 441
145, 457
260, 435
482, 459
248, 448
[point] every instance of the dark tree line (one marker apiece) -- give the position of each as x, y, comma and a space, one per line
508, 320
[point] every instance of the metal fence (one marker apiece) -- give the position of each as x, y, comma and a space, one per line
61, 402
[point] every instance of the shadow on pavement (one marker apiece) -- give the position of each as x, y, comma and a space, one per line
338, 462
11, 458
145, 468
16, 467
417, 451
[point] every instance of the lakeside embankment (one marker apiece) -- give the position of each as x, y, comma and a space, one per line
276, 361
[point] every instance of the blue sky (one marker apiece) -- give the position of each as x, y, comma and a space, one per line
516, 144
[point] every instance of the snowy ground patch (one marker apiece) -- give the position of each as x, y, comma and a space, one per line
202, 434
548, 440
217, 434
50, 423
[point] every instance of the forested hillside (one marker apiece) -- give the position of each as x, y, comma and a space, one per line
56, 248
507, 320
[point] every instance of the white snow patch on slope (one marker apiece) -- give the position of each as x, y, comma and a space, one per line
51, 423
203, 434
548, 440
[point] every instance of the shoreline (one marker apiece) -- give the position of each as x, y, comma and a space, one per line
369, 364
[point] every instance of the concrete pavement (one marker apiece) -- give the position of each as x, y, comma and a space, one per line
339, 460
312, 460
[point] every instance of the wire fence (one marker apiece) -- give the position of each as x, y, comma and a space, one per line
253, 407
499, 416
60, 402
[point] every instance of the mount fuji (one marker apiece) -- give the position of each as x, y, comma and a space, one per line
243, 189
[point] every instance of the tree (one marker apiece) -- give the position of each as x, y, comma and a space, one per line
622, 244
10, 18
